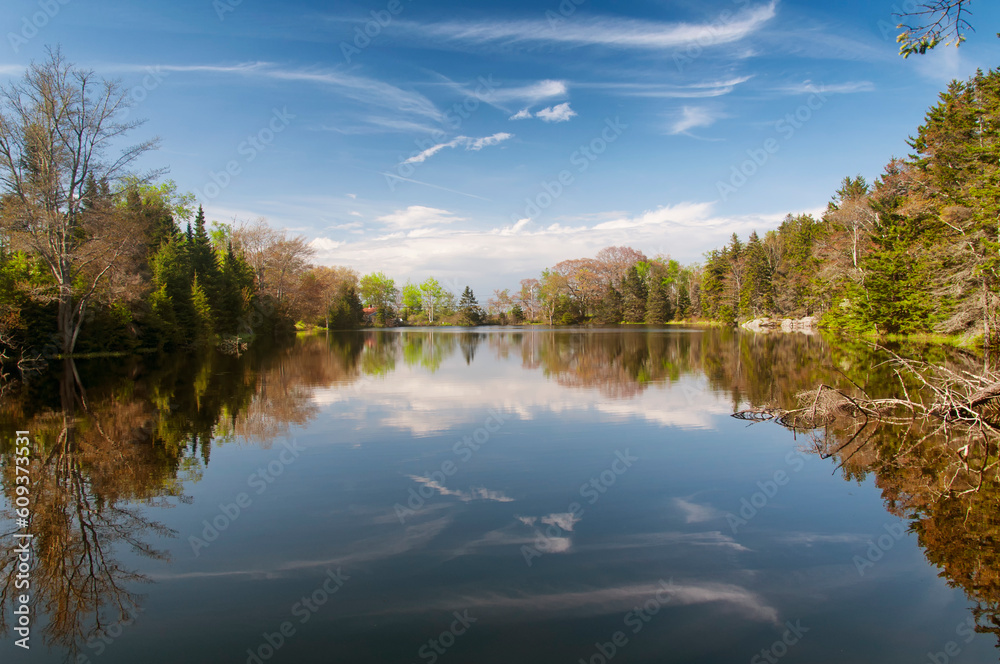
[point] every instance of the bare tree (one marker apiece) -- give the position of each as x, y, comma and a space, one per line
57, 126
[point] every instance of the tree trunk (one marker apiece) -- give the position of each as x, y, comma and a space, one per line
65, 320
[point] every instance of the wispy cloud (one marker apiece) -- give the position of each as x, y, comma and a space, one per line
701, 89
471, 144
558, 113
808, 87
602, 31
368, 91
418, 216
693, 117
392, 177
500, 93
523, 114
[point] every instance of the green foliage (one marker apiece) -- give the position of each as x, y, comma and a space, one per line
346, 310
470, 313
609, 310
202, 309
379, 291
634, 295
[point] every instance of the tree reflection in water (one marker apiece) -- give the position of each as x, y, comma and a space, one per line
106, 452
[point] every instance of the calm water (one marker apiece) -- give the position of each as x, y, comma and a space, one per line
490, 496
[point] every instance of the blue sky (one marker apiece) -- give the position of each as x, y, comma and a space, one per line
480, 143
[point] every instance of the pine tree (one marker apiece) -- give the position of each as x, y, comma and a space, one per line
469, 312
609, 309
346, 310
203, 321
657, 305
204, 261
756, 294
683, 302
634, 295
172, 274
235, 292
893, 297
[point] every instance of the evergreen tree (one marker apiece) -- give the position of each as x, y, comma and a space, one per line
346, 310
756, 294
657, 305
683, 302
610, 307
172, 275
469, 312
713, 283
235, 292
895, 298
204, 261
634, 295
202, 309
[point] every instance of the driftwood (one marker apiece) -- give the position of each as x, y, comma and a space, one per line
950, 397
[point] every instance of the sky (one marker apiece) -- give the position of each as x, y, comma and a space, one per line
483, 142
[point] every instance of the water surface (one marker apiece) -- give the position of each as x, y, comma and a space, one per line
497, 495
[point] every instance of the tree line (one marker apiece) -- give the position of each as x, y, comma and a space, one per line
915, 252
96, 258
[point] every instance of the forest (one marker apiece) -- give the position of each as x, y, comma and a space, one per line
97, 259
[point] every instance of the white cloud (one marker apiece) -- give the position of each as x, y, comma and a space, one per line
367, 91
479, 143
523, 114
471, 144
693, 117
808, 87
603, 31
418, 216
558, 113
325, 244
510, 252
533, 92
698, 90
434, 149
476, 493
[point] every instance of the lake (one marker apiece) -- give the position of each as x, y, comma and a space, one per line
493, 495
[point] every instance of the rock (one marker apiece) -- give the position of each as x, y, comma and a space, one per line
805, 325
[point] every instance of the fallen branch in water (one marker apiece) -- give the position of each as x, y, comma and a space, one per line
951, 397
